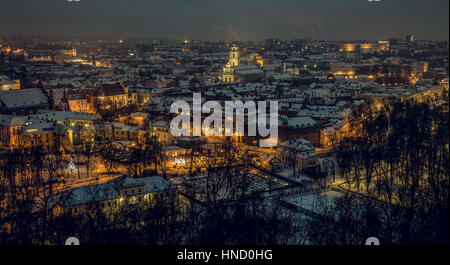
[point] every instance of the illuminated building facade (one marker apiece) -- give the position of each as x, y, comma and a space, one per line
7, 84
109, 197
365, 47
111, 94
229, 75
410, 37
234, 56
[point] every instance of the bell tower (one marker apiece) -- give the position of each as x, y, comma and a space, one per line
234, 56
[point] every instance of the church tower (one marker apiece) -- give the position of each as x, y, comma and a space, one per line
234, 56
228, 71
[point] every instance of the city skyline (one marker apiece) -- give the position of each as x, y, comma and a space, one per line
227, 20
202, 123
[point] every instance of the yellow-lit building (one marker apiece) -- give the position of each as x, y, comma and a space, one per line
26, 132
255, 58
8, 84
10, 127
161, 131
42, 59
111, 196
364, 47
334, 133
79, 125
234, 56
67, 118
136, 118
69, 52
45, 135
80, 105
229, 75
111, 94
5, 49
342, 69
123, 132
347, 47
140, 97
383, 45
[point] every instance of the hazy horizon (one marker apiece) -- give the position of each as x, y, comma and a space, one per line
212, 20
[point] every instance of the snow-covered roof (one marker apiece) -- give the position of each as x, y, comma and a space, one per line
301, 122
111, 190
11, 120
55, 115
23, 98
299, 144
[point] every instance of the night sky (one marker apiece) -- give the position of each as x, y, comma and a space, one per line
227, 19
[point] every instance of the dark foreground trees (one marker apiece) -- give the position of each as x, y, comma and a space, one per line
29, 180
397, 169
228, 215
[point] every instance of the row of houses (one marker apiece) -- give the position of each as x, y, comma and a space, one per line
111, 196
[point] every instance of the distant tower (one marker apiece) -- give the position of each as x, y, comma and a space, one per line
93, 60
357, 53
410, 37
234, 56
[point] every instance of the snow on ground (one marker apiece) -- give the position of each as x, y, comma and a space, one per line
314, 201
